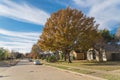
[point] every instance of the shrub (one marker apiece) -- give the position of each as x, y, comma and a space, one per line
51, 59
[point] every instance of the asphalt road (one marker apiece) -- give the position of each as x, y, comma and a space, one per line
25, 70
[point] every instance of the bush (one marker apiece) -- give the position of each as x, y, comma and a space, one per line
51, 59
47, 59
42, 58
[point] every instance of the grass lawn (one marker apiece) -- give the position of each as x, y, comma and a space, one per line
98, 69
72, 69
104, 66
7, 63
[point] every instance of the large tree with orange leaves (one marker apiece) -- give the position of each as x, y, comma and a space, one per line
68, 29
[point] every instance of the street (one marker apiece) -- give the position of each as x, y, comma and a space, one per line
25, 70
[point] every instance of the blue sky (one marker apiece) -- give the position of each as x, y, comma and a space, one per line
22, 21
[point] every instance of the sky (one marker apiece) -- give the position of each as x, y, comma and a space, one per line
22, 21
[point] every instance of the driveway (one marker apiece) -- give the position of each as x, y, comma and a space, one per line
25, 70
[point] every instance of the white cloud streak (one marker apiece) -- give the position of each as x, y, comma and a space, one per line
106, 12
23, 12
18, 41
28, 35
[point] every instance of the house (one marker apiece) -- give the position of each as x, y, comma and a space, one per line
112, 52
109, 52
77, 55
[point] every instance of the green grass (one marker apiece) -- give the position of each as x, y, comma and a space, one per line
72, 69
89, 68
109, 76
7, 62
104, 66
81, 71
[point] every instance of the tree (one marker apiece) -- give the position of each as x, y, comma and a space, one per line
4, 54
106, 35
68, 29
7, 54
117, 34
35, 52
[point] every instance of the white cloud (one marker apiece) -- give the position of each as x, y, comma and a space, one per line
9, 38
86, 3
23, 12
18, 41
25, 35
106, 12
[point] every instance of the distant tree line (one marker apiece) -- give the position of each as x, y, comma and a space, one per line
5, 54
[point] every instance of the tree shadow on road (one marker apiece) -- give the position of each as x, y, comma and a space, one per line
4, 76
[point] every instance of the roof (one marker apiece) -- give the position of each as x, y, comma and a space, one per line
112, 48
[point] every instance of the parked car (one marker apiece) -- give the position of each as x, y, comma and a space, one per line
36, 62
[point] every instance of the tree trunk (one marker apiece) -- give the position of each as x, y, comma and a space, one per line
65, 57
85, 55
69, 59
